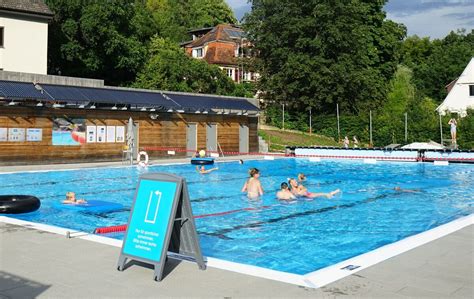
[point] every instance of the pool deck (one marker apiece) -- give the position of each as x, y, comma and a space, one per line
36, 263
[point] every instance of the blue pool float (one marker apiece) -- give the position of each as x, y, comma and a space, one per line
93, 206
202, 161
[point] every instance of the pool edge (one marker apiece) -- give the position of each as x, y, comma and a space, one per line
316, 279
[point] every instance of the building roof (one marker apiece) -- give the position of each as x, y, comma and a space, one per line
220, 55
222, 33
120, 98
458, 99
34, 7
12, 90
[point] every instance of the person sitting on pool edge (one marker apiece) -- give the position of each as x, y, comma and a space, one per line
71, 199
203, 170
252, 186
285, 193
300, 190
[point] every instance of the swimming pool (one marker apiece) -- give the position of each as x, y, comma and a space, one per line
296, 238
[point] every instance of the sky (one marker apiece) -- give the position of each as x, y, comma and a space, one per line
433, 18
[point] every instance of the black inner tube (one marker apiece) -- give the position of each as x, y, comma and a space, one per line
17, 204
197, 161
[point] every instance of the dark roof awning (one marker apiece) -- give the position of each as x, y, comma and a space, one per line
205, 102
13, 90
107, 96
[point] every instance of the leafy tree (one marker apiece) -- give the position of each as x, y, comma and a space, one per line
99, 39
176, 17
390, 122
439, 62
169, 68
317, 53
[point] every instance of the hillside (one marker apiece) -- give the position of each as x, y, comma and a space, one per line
278, 139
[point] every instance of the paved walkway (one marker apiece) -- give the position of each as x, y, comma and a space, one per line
36, 264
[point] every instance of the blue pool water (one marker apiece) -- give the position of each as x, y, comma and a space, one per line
296, 238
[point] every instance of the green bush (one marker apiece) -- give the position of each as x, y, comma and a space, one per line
423, 125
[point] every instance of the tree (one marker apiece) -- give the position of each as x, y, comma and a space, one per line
438, 62
169, 68
99, 39
318, 53
176, 17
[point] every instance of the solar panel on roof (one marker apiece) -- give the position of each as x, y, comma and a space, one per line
211, 102
234, 33
20, 90
78, 94
107, 95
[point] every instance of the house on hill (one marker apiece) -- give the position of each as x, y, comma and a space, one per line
461, 93
24, 36
225, 46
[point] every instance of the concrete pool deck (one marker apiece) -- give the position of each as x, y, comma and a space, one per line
35, 263
38, 264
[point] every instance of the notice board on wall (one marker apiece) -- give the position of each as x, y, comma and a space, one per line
3, 134
16, 134
34, 134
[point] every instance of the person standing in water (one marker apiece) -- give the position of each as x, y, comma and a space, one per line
252, 186
285, 193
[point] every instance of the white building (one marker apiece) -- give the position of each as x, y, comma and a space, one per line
461, 97
24, 36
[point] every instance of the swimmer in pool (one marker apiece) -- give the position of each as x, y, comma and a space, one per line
398, 189
285, 193
203, 170
301, 177
71, 199
300, 190
252, 186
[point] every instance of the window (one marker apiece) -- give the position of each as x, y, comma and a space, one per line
198, 52
230, 73
1, 37
247, 76
471, 90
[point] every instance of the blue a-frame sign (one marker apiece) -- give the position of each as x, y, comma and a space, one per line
161, 220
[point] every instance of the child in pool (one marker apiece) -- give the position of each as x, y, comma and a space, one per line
300, 190
252, 186
285, 193
301, 177
71, 199
203, 170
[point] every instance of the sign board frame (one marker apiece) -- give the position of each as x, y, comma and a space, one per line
180, 235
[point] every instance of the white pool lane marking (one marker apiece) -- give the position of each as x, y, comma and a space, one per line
315, 279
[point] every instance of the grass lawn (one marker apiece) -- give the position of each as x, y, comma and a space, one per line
278, 139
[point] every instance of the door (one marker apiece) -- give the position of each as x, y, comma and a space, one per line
243, 138
211, 137
191, 139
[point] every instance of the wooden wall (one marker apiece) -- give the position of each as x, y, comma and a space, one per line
169, 130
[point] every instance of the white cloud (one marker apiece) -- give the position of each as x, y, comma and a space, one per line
436, 23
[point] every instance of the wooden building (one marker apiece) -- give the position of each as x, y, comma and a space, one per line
63, 123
